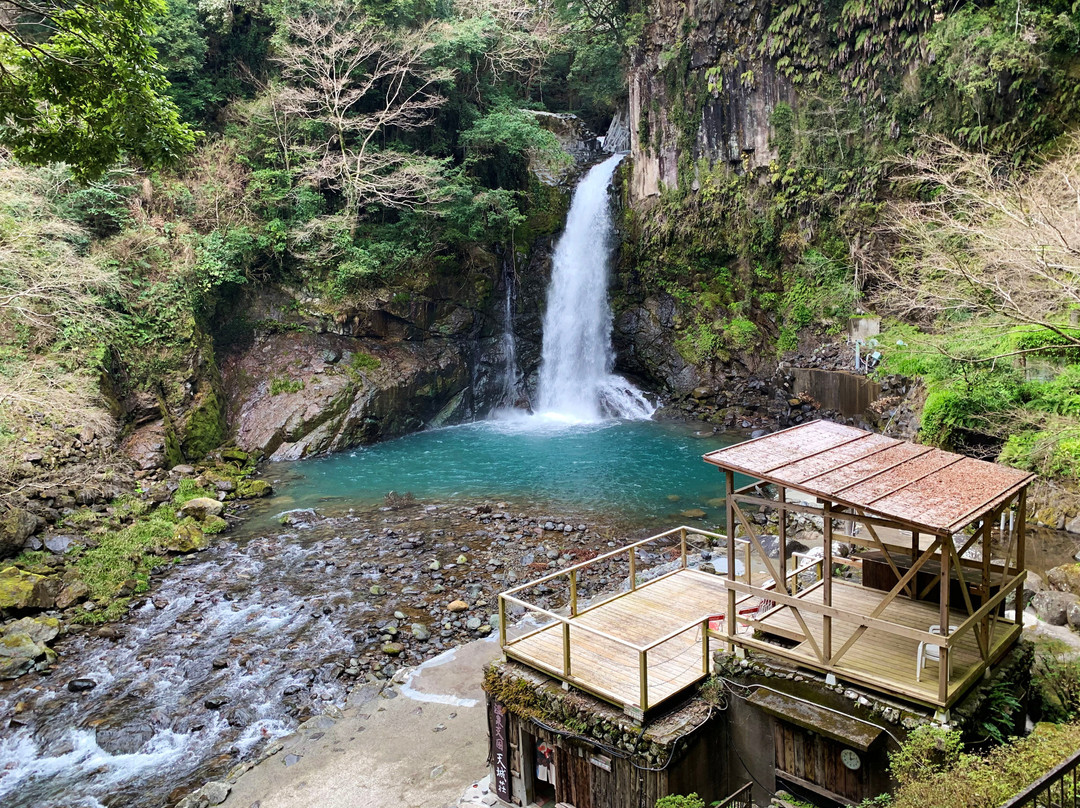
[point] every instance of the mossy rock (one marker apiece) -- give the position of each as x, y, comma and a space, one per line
205, 428
252, 489
187, 538
234, 455
214, 524
201, 508
27, 590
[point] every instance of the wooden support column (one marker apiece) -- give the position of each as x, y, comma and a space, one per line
782, 530
826, 620
914, 554
573, 593
1021, 529
1020, 536
984, 588
943, 620
729, 503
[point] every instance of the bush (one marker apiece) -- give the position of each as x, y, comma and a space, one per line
928, 750
676, 801
1056, 680
740, 333
279, 384
975, 781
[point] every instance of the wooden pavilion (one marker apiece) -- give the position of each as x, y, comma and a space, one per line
939, 537
938, 559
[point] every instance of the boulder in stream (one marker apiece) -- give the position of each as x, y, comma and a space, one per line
1065, 578
187, 538
1053, 607
200, 508
22, 644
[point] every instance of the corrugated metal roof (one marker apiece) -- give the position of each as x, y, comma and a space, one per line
928, 488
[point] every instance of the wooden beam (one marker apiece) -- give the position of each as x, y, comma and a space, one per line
885, 551
991, 603
943, 622
826, 621
782, 531
772, 571
899, 630
1021, 529
885, 601
984, 651
795, 507
729, 504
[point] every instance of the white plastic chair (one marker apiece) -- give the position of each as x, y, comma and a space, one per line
931, 653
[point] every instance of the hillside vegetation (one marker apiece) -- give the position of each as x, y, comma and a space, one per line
348, 151
921, 164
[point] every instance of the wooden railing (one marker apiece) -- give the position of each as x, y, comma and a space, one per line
1055, 789
743, 798
571, 575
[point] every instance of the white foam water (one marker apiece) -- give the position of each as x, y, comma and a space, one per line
576, 380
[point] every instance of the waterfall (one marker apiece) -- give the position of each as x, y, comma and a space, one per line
511, 375
576, 382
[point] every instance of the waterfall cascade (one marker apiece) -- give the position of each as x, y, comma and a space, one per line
511, 377
576, 379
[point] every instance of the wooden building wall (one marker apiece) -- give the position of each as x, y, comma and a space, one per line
584, 781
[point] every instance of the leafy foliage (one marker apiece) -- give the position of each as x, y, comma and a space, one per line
933, 770
80, 83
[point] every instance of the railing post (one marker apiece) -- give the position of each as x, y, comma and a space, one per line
573, 593
729, 520
682, 543
747, 551
943, 620
826, 571
705, 646
633, 569
643, 674
566, 649
502, 622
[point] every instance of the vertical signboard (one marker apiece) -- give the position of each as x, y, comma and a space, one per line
500, 732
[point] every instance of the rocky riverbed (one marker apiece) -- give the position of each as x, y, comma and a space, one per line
238, 645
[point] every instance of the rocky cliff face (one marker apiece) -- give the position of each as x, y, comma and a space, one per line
305, 376
699, 91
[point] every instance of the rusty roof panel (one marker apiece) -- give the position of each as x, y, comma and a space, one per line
952, 496
780, 448
835, 458
907, 473
922, 487
868, 467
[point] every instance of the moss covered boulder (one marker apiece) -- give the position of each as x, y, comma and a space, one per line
252, 489
200, 508
16, 526
26, 590
187, 538
1065, 578
22, 645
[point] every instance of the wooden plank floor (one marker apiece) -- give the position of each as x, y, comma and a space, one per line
652, 611
878, 656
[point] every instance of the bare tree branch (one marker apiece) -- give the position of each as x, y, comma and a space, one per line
978, 237
361, 82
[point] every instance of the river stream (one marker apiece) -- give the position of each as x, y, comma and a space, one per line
238, 645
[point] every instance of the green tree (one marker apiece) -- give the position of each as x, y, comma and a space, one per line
80, 83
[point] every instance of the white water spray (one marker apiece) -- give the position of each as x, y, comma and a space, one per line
576, 382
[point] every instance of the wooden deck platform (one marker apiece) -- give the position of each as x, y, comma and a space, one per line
610, 666
611, 670
880, 660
